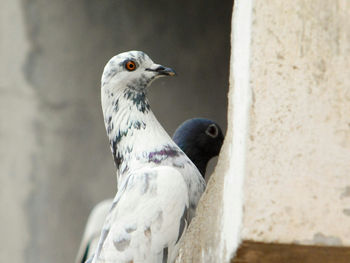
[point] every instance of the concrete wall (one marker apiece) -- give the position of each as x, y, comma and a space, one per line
288, 138
55, 161
299, 139
214, 234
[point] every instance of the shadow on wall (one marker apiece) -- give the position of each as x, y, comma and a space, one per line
70, 42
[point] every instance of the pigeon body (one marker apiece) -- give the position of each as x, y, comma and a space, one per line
199, 138
158, 186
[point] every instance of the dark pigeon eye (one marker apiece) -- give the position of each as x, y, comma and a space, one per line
130, 65
212, 131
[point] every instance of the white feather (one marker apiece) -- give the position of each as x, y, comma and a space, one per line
92, 230
147, 219
158, 185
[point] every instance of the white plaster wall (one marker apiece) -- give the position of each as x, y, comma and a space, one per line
297, 128
298, 163
214, 234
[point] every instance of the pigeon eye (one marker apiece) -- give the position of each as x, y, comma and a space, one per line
130, 65
212, 131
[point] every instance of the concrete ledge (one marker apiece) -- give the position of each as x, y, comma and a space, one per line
254, 252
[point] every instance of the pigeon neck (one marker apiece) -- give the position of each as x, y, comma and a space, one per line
133, 131
201, 164
198, 158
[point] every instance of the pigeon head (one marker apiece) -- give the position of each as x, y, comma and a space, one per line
129, 120
132, 69
201, 139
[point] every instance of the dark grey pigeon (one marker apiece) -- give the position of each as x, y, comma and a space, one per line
201, 139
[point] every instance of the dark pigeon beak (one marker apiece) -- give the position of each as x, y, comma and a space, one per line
163, 71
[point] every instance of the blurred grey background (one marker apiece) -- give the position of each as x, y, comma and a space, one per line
55, 161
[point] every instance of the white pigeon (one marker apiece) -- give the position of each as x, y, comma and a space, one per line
199, 138
158, 186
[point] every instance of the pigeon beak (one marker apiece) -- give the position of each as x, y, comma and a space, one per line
165, 71
162, 71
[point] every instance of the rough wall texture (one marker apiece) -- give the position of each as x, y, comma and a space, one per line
297, 181
204, 240
55, 161
203, 236
298, 154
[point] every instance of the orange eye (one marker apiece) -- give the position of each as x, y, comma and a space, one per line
130, 65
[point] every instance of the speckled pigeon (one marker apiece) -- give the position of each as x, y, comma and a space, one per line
200, 139
158, 186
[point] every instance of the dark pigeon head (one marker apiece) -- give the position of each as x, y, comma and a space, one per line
201, 139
